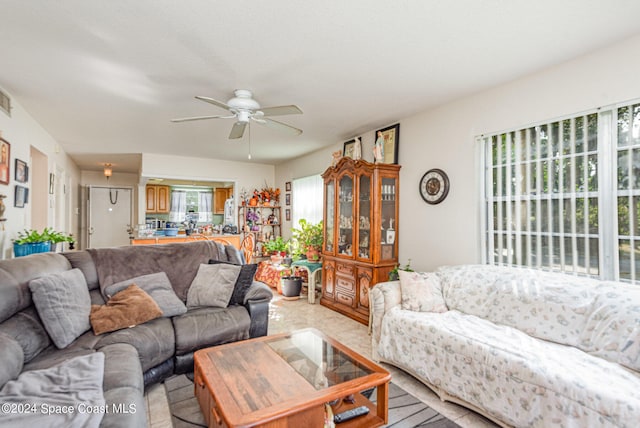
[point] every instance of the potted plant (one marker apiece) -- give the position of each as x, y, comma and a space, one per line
310, 238
276, 246
30, 241
291, 286
393, 275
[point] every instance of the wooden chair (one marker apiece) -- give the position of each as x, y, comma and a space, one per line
247, 247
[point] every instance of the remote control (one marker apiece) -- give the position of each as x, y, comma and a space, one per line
347, 415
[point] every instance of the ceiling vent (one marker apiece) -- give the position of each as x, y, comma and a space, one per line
5, 103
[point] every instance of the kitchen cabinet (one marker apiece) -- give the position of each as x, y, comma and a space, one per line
158, 199
360, 233
221, 194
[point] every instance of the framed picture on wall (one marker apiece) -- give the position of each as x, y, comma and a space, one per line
5, 156
22, 171
287, 199
287, 186
20, 197
287, 214
385, 149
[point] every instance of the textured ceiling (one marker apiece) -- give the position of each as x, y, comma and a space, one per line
106, 77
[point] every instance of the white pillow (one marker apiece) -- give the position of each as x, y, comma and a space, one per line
421, 292
213, 286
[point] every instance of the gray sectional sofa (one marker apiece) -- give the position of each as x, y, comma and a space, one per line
133, 357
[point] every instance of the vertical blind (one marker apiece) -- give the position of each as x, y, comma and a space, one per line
548, 195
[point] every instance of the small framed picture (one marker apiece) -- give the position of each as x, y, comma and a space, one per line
385, 149
20, 196
287, 214
287, 198
287, 186
22, 171
5, 156
349, 149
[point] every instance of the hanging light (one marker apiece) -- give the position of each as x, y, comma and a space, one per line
249, 157
108, 172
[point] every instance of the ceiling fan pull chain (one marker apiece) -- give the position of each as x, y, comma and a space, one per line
249, 141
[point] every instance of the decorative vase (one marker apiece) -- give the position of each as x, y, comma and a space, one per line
253, 202
291, 286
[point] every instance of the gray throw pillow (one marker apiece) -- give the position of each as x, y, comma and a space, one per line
156, 285
213, 286
243, 283
63, 303
11, 359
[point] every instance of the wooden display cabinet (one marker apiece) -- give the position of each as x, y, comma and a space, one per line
158, 199
360, 233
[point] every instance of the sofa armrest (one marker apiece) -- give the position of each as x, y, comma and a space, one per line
257, 303
383, 297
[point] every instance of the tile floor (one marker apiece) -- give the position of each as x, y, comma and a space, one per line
288, 315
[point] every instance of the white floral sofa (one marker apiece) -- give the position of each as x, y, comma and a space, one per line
525, 348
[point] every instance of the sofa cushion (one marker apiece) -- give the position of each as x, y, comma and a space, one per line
154, 341
11, 359
179, 261
67, 385
158, 286
82, 260
127, 308
203, 327
213, 286
613, 328
243, 283
63, 303
421, 292
546, 305
123, 387
25, 327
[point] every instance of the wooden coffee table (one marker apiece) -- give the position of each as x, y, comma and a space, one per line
285, 380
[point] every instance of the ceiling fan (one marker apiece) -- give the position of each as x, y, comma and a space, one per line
245, 108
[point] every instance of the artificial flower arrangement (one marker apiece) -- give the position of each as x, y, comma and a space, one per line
266, 195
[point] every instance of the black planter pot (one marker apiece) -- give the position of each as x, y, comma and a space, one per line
291, 286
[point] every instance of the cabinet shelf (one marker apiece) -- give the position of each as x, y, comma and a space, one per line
263, 222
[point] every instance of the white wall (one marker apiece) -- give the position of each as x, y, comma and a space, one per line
449, 233
22, 132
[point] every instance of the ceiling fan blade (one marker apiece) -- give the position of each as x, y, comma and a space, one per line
274, 124
280, 110
188, 119
238, 130
214, 102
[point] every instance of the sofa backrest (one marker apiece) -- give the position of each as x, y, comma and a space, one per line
546, 305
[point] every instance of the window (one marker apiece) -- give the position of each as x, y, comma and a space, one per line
307, 199
548, 195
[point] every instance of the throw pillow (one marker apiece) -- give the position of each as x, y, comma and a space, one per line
127, 308
243, 283
421, 292
158, 286
213, 286
63, 303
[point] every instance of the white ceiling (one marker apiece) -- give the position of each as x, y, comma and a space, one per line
106, 77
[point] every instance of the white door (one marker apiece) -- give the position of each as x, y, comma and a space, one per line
110, 216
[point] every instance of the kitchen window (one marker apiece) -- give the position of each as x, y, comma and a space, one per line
565, 195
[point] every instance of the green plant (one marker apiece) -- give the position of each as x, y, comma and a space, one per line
393, 274
309, 236
31, 236
277, 245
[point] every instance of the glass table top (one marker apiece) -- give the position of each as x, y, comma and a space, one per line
316, 360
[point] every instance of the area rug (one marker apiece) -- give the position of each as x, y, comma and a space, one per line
405, 410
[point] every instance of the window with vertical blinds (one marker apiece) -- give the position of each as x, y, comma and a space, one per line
307, 199
549, 195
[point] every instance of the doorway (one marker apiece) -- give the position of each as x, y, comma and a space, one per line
39, 197
110, 216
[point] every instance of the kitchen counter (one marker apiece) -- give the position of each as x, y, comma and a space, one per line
155, 240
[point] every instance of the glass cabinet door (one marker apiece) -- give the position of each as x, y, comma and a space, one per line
329, 227
388, 218
364, 217
345, 216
